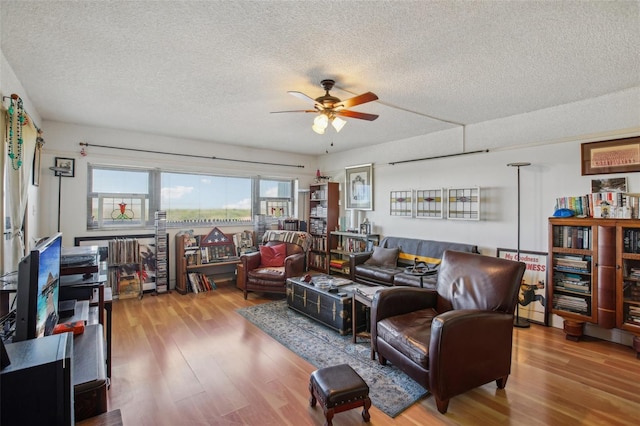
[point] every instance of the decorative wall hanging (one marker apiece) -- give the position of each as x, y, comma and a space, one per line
463, 203
400, 203
16, 119
613, 156
359, 187
428, 204
36, 162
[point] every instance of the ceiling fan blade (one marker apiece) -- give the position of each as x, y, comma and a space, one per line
302, 96
357, 100
296, 110
355, 114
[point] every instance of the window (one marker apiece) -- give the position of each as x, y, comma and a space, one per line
275, 198
205, 198
118, 198
127, 198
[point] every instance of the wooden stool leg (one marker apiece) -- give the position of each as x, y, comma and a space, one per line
365, 411
328, 414
312, 399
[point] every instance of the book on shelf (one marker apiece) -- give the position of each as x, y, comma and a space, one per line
601, 204
338, 263
200, 282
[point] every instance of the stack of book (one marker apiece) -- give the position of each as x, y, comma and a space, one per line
571, 282
572, 263
634, 315
571, 304
338, 263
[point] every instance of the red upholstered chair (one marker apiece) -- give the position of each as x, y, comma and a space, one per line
457, 336
262, 271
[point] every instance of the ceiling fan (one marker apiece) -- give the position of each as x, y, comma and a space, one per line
329, 108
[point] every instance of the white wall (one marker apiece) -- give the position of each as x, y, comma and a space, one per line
10, 84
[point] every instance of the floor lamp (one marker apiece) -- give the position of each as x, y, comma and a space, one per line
58, 171
517, 321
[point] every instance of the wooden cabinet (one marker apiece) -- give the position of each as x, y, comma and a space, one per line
346, 243
628, 278
594, 274
323, 218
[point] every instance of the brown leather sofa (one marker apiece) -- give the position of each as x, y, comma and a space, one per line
273, 279
457, 336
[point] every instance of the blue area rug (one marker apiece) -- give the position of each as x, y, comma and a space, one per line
390, 390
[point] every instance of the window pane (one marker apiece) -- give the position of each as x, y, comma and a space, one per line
275, 189
120, 181
188, 197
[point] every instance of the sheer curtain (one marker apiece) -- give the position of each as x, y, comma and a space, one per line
17, 187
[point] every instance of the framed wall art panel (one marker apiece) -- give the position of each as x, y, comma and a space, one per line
613, 156
359, 187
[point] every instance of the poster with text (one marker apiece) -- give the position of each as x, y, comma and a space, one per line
532, 297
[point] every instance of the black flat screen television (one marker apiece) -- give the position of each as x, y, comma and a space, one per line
38, 290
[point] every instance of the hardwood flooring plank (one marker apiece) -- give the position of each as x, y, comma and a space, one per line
192, 360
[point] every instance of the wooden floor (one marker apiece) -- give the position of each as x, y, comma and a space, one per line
192, 360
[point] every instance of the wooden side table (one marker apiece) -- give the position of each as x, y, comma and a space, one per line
363, 295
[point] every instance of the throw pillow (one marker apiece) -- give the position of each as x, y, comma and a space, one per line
273, 255
383, 257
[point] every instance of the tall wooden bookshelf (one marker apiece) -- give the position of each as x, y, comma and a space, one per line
324, 208
594, 274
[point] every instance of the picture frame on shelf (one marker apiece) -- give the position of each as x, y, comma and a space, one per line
612, 156
359, 187
66, 163
533, 296
609, 185
401, 203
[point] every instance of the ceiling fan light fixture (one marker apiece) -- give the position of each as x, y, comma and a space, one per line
338, 123
320, 123
318, 130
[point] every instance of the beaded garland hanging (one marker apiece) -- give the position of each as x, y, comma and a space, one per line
14, 134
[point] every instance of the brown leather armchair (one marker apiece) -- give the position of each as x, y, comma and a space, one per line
456, 337
273, 279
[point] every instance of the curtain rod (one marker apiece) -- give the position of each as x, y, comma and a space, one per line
439, 156
192, 155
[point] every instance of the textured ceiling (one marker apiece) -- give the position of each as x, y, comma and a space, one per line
214, 70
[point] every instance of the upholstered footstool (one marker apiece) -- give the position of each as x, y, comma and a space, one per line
339, 388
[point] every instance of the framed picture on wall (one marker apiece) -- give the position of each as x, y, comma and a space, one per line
359, 187
533, 295
65, 163
613, 156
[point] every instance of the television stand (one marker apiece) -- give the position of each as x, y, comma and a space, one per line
89, 373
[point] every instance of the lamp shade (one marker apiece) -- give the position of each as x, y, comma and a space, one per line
338, 123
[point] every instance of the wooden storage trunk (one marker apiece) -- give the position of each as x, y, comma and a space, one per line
327, 308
